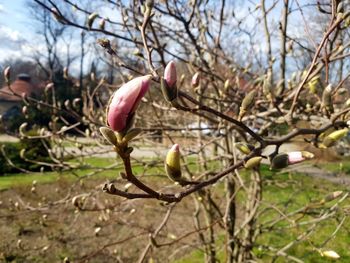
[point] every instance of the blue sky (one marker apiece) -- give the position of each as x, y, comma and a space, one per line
18, 38
15, 28
13, 13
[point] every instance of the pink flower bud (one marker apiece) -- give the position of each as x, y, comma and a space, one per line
195, 80
170, 74
125, 102
175, 148
295, 157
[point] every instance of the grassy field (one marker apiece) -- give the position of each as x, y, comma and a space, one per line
287, 191
291, 191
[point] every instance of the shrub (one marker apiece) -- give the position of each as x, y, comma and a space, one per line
35, 149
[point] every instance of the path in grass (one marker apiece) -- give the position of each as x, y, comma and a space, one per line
313, 170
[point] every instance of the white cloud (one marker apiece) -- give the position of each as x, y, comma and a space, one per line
9, 34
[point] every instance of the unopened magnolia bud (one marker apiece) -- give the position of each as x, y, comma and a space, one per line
109, 188
282, 160
182, 78
347, 22
313, 84
267, 85
335, 136
150, 3
7, 74
327, 142
340, 7
279, 161
45, 248
63, 129
137, 52
24, 98
91, 19
76, 102
170, 75
109, 135
148, 7
104, 42
247, 103
48, 87
127, 186
65, 73
253, 162
297, 157
102, 24
97, 230
172, 163
57, 15
307, 155
22, 128
330, 254
227, 84
244, 148
333, 196
327, 98
170, 94
124, 102
290, 44
93, 76
195, 80
25, 110
67, 104
131, 134
21, 153
19, 244
42, 132
76, 201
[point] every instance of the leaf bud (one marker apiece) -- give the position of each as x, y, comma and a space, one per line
91, 19
131, 134
244, 148
172, 164
279, 161
227, 84
102, 24
327, 98
247, 103
313, 84
7, 74
332, 196
109, 135
195, 80
335, 136
253, 162
330, 254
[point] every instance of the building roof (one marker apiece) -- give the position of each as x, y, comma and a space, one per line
22, 85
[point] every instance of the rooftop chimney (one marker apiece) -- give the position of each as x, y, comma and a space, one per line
23, 77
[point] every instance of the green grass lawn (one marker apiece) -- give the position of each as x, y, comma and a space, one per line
287, 191
92, 166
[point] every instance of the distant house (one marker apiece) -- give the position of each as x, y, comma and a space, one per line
10, 99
